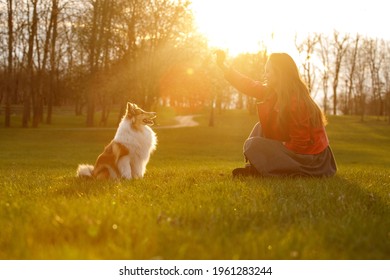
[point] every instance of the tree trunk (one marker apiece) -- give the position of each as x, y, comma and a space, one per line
29, 92
52, 88
91, 94
7, 121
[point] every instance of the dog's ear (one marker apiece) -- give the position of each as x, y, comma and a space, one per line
130, 109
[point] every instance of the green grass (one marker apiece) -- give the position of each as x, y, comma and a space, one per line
188, 206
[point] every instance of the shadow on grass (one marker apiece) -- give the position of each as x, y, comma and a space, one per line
333, 218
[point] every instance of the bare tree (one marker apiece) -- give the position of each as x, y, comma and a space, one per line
29, 93
375, 59
93, 57
53, 50
9, 76
360, 79
324, 52
306, 49
42, 54
351, 61
339, 48
386, 76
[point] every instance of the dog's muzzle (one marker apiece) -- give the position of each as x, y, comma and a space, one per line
149, 120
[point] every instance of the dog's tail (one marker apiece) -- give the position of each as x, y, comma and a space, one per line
84, 170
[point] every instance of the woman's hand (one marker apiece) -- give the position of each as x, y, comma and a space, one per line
221, 56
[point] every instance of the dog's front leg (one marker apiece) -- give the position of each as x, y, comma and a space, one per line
124, 167
138, 169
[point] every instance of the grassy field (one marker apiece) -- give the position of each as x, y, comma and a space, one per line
188, 206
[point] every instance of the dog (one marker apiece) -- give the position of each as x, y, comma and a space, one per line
127, 155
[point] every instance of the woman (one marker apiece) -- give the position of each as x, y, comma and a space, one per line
290, 138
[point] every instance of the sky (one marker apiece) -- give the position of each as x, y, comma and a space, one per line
240, 25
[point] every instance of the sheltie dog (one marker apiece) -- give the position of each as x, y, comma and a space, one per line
128, 153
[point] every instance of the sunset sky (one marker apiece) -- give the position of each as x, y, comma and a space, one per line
240, 25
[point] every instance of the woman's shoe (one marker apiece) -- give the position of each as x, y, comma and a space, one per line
246, 171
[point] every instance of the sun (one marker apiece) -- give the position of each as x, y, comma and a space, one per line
241, 26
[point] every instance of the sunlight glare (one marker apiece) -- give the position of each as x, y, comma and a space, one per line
248, 25
240, 26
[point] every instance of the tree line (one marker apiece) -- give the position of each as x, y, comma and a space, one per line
97, 54
351, 71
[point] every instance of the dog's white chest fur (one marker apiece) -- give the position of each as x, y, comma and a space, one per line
142, 141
